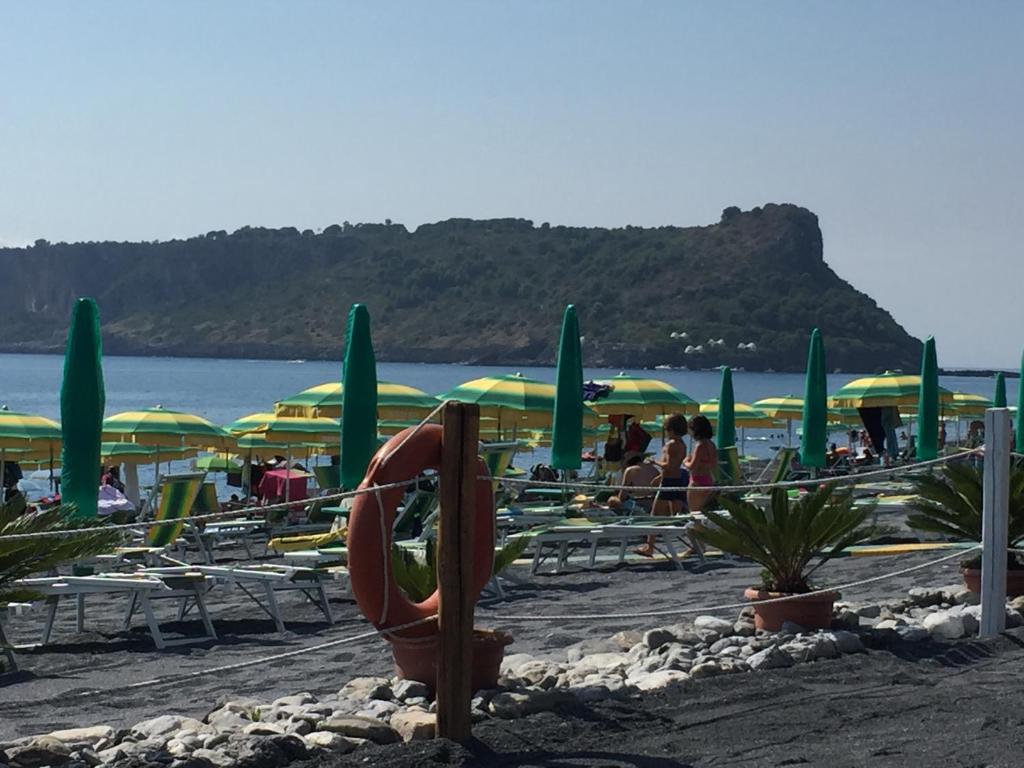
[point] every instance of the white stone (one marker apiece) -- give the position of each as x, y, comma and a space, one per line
361, 728
333, 742
713, 623
90, 736
295, 700
662, 679
600, 662
415, 726
706, 669
410, 689
846, 642
362, 688
770, 658
944, 626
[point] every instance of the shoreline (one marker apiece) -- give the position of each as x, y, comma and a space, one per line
8, 349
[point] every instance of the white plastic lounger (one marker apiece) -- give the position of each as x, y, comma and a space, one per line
270, 579
141, 590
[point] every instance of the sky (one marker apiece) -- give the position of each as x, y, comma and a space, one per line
898, 124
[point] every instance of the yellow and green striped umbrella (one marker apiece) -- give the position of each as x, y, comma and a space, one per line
159, 427
746, 415
643, 398
970, 404
844, 416
134, 453
287, 429
887, 389
395, 402
514, 401
786, 408
24, 430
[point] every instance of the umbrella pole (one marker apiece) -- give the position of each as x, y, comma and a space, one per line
287, 471
3, 476
131, 482
52, 485
789, 433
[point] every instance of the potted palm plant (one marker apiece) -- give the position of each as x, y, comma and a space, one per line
791, 540
950, 504
20, 558
416, 659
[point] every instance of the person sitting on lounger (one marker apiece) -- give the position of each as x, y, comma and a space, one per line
640, 474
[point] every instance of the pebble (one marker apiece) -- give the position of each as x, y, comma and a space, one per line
362, 728
944, 626
656, 638
415, 726
662, 679
333, 742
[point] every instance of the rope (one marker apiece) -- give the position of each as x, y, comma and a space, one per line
834, 480
209, 516
254, 662
734, 606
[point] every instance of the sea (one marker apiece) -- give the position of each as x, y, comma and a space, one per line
223, 390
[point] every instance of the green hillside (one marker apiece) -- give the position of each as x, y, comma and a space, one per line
465, 291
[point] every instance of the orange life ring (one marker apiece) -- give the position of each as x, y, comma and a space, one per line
404, 457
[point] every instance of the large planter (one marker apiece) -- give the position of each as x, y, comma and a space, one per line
1014, 580
416, 658
811, 612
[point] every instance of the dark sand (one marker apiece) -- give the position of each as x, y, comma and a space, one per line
54, 688
908, 705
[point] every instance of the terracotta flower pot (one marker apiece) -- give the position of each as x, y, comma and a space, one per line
416, 658
813, 612
1014, 580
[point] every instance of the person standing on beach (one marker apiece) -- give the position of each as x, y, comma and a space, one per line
701, 463
673, 455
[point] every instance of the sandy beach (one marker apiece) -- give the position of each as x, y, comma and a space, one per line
82, 679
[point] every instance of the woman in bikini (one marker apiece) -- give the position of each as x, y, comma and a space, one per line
673, 453
701, 463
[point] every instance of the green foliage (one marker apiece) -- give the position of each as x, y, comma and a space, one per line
786, 537
24, 557
950, 504
476, 291
417, 575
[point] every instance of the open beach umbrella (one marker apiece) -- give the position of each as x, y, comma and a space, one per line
643, 398
26, 430
82, 400
217, 463
395, 402
999, 399
815, 411
567, 423
158, 427
928, 407
514, 401
970, 404
286, 429
743, 416
359, 409
887, 389
788, 408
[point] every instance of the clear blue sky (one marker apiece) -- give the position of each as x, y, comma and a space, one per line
899, 124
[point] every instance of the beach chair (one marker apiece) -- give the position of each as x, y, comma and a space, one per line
177, 494
777, 470
268, 579
142, 590
729, 470
328, 478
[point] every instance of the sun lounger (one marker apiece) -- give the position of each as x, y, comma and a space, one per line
177, 494
269, 580
142, 591
573, 535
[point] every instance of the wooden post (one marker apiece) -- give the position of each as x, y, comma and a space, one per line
995, 522
461, 423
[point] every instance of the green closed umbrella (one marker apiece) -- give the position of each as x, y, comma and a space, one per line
928, 405
726, 423
359, 407
815, 411
567, 428
1019, 446
999, 401
82, 400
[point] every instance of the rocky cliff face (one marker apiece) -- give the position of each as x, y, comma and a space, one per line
745, 291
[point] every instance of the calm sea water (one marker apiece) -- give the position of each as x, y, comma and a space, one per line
224, 390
